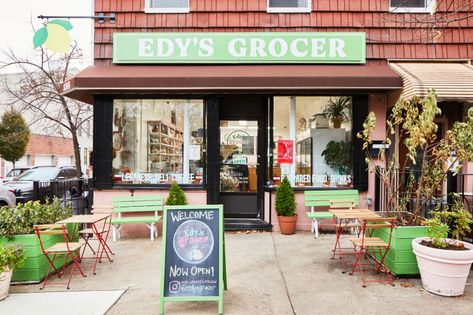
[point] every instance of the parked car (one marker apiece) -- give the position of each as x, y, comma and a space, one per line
23, 184
7, 197
15, 172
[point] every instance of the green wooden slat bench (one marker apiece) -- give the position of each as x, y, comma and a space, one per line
337, 198
149, 207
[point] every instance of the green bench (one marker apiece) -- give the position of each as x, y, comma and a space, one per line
149, 207
336, 198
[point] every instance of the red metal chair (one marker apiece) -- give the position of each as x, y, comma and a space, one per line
376, 247
101, 236
349, 205
88, 232
67, 248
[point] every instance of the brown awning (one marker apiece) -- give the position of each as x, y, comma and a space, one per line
452, 81
228, 78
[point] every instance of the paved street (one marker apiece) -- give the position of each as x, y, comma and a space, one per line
268, 273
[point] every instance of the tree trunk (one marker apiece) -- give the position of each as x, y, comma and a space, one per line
73, 129
77, 158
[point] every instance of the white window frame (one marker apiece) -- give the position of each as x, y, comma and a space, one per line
428, 8
148, 9
307, 9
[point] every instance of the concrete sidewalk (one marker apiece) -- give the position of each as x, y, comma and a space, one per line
268, 273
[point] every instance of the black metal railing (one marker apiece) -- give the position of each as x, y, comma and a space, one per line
461, 184
75, 192
406, 181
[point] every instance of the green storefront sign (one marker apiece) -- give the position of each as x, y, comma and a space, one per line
326, 48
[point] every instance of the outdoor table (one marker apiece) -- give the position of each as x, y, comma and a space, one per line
92, 220
348, 218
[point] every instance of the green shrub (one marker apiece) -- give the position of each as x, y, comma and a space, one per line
176, 196
455, 220
285, 199
20, 219
12, 256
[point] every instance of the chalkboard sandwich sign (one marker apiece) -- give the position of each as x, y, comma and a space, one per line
193, 263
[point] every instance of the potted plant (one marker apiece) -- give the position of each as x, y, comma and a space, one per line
176, 196
11, 257
337, 110
414, 180
286, 207
445, 263
337, 155
16, 225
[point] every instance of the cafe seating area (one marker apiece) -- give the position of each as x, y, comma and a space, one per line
84, 238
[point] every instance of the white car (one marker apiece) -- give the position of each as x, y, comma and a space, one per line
7, 197
15, 172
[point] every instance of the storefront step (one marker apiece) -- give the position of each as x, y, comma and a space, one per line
238, 224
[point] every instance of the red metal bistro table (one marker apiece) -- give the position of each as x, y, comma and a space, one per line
93, 221
348, 219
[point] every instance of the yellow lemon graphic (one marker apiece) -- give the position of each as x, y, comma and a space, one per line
58, 38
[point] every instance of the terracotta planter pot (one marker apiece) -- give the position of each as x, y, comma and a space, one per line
337, 124
337, 121
443, 272
287, 225
5, 278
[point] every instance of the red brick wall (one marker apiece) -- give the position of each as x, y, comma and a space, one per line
389, 36
49, 145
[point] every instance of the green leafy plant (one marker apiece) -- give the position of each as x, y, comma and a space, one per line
285, 199
14, 136
12, 256
337, 110
176, 196
414, 182
455, 222
20, 219
337, 155
437, 231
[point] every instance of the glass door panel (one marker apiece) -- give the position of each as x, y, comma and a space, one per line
239, 156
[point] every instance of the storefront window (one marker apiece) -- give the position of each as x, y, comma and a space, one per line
158, 141
318, 131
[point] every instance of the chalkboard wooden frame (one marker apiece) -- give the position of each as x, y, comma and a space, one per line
222, 277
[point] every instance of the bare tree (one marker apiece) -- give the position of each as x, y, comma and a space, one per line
445, 16
39, 94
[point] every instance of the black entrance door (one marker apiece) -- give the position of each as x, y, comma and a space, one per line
242, 130
239, 167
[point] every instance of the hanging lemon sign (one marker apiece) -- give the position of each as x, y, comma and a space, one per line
54, 35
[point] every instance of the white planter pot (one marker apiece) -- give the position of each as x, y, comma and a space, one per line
5, 278
443, 272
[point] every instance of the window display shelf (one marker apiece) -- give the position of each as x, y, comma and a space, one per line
164, 145
304, 158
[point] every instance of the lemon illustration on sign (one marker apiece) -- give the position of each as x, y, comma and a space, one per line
58, 38
54, 35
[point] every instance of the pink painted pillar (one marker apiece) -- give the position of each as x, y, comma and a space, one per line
377, 103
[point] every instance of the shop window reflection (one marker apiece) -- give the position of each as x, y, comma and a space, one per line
156, 141
322, 126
